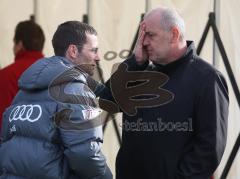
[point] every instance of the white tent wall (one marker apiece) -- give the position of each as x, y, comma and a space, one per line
116, 22
10, 15
229, 27
49, 14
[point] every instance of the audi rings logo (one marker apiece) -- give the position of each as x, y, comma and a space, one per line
29, 113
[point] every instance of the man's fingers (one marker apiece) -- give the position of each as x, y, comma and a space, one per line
141, 34
142, 23
139, 50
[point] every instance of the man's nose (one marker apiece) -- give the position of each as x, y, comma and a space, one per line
97, 58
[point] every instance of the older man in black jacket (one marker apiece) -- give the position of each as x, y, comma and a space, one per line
183, 136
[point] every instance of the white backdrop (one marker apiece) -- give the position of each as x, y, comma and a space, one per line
116, 22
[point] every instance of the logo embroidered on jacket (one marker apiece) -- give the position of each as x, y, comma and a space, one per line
30, 113
91, 113
13, 129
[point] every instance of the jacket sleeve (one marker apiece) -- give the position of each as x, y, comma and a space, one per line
133, 66
7, 91
82, 146
83, 153
107, 101
210, 130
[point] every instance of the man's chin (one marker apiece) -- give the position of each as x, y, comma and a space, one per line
90, 73
89, 69
152, 59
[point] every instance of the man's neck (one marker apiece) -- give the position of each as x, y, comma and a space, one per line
178, 51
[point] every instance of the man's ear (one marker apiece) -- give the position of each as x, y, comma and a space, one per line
72, 52
175, 35
18, 46
21, 46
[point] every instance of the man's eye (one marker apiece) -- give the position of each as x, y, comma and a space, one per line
95, 50
150, 34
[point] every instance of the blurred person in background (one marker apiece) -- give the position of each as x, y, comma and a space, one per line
28, 45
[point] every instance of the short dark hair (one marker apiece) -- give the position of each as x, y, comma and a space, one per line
31, 35
70, 32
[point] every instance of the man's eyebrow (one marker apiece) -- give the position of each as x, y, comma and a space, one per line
94, 49
149, 33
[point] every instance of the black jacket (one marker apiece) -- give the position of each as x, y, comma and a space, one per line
183, 138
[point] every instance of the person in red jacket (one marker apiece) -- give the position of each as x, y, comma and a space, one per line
28, 45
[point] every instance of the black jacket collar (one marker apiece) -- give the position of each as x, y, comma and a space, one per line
191, 51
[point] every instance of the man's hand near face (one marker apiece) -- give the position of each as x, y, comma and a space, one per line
139, 50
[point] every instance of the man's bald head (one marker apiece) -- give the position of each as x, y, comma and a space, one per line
167, 18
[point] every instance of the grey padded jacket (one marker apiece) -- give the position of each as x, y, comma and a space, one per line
35, 143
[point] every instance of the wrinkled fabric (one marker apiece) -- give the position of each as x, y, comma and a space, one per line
35, 143
182, 139
9, 77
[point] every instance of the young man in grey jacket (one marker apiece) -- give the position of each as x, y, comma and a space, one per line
43, 135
